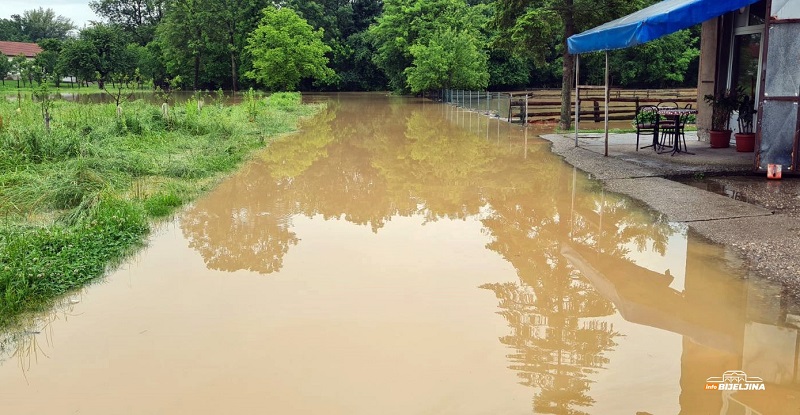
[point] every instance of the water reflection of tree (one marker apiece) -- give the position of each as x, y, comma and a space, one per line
558, 334
351, 165
361, 165
245, 223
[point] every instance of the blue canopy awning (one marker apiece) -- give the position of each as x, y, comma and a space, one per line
651, 23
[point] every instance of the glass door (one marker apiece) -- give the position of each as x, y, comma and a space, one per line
746, 63
744, 67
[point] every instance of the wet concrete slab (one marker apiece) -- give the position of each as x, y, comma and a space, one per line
767, 241
623, 146
683, 203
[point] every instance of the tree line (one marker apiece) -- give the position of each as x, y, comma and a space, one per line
403, 45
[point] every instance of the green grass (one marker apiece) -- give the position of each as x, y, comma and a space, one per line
77, 200
10, 87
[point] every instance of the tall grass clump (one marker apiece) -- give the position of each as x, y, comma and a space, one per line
75, 200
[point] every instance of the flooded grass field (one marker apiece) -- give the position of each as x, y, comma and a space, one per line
399, 256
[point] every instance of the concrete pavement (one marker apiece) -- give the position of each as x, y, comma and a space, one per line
760, 223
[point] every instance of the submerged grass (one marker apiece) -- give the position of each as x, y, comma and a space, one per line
76, 200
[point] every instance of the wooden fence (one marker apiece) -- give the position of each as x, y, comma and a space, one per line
545, 104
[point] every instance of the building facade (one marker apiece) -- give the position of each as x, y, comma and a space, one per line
756, 49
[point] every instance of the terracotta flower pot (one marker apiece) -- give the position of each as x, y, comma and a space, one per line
745, 142
720, 139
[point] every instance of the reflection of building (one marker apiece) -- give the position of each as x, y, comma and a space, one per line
766, 344
745, 49
729, 327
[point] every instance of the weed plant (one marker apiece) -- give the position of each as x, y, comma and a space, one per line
76, 200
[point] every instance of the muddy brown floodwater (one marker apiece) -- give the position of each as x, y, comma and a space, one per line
399, 256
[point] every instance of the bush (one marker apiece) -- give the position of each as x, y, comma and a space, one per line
286, 101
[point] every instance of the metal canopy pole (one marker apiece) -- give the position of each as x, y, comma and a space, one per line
607, 95
577, 100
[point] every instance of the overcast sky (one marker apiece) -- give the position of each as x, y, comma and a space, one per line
76, 10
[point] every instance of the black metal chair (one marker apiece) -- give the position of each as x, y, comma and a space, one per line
675, 131
667, 122
647, 123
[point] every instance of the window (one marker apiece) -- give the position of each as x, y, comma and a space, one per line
745, 53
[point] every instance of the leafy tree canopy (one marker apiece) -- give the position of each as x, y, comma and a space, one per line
449, 60
37, 24
138, 18
100, 53
5, 68
285, 49
403, 45
405, 23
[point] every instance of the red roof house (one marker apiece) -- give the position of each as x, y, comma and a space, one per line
12, 49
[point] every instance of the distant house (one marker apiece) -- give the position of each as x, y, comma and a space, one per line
12, 49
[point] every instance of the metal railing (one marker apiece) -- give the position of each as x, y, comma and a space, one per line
494, 104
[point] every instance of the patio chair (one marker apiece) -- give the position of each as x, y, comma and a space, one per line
674, 131
666, 122
647, 123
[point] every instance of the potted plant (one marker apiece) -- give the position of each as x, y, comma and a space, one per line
746, 138
722, 105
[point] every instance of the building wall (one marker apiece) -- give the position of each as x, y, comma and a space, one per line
13, 75
706, 78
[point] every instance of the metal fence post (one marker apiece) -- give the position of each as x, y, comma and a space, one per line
525, 116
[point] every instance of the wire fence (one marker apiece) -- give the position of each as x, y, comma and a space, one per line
544, 105
494, 104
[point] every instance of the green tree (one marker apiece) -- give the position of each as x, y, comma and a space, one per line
110, 48
662, 63
405, 23
344, 23
47, 61
354, 66
41, 23
138, 18
508, 69
10, 31
236, 19
183, 35
352, 60
77, 58
449, 60
151, 64
203, 41
99, 54
5, 68
19, 65
285, 49
534, 28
